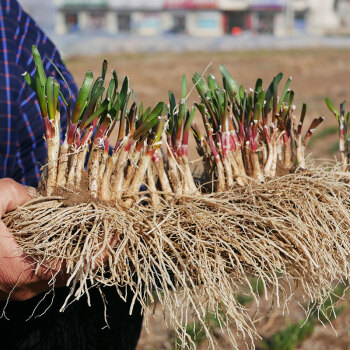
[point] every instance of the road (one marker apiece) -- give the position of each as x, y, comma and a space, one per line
94, 44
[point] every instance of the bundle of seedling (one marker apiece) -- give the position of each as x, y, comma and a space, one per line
133, 215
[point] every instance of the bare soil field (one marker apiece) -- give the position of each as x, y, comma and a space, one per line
316, 74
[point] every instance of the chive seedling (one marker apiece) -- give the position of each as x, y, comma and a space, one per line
343, 122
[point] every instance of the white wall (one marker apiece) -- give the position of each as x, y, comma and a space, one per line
36, 9
233, 5
204, 23
136, 4
322, 17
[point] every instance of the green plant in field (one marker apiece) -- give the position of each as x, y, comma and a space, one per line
290, 337
294, 334
215, 320
326, 132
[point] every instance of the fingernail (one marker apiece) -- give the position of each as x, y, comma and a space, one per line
31, 191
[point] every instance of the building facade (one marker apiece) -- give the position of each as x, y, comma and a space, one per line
203, 17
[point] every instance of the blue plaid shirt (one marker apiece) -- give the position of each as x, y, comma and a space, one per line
22, 146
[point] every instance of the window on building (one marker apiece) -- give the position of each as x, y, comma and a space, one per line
179, 24
235, 21
149, 22
300, 20
207, 20
265, 24
72, 22
124, 22
97, 20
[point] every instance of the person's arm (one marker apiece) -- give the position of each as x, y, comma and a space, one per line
22, 146
17, 278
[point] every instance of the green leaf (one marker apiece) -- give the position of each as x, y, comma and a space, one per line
201, 108
158, 134
40, 91
172, 102
277, 79
200, 85
241, 92
39, 66
181, 114
67, 86
124, 106
257, 112
220, 96
258, 90
56, 91
261, 100
96, 93
332, 108
50, 98
283, 95
156, 111
83, 97
104, 69
150, 121
110, 91
96, 87
124, 90
52, 90
131, 115
212, 83
189, 119
29, 80
184, 87
258, 85
144, 116
133, 95
115, 77
102, 108
290, 98
141, 109
230, 84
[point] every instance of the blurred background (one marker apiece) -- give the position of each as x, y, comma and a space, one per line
179, 25
154, 42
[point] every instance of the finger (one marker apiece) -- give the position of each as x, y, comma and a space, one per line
31, 191
12, 195
29, 291
17, 269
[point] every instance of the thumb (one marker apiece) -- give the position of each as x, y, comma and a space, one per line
12, 195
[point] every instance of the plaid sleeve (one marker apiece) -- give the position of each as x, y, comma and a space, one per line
22, 145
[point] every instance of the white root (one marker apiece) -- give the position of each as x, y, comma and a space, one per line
163, 178
52, 163
155, 199
93, 171
137, 180
62, 165
80, 165
174, 176
106, 183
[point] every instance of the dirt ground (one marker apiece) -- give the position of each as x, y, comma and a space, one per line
316, 74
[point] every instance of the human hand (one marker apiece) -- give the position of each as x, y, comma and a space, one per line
17, 278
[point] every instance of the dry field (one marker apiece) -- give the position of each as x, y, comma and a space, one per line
316, 74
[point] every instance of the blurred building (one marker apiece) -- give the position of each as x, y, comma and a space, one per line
36, 8
203, 17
